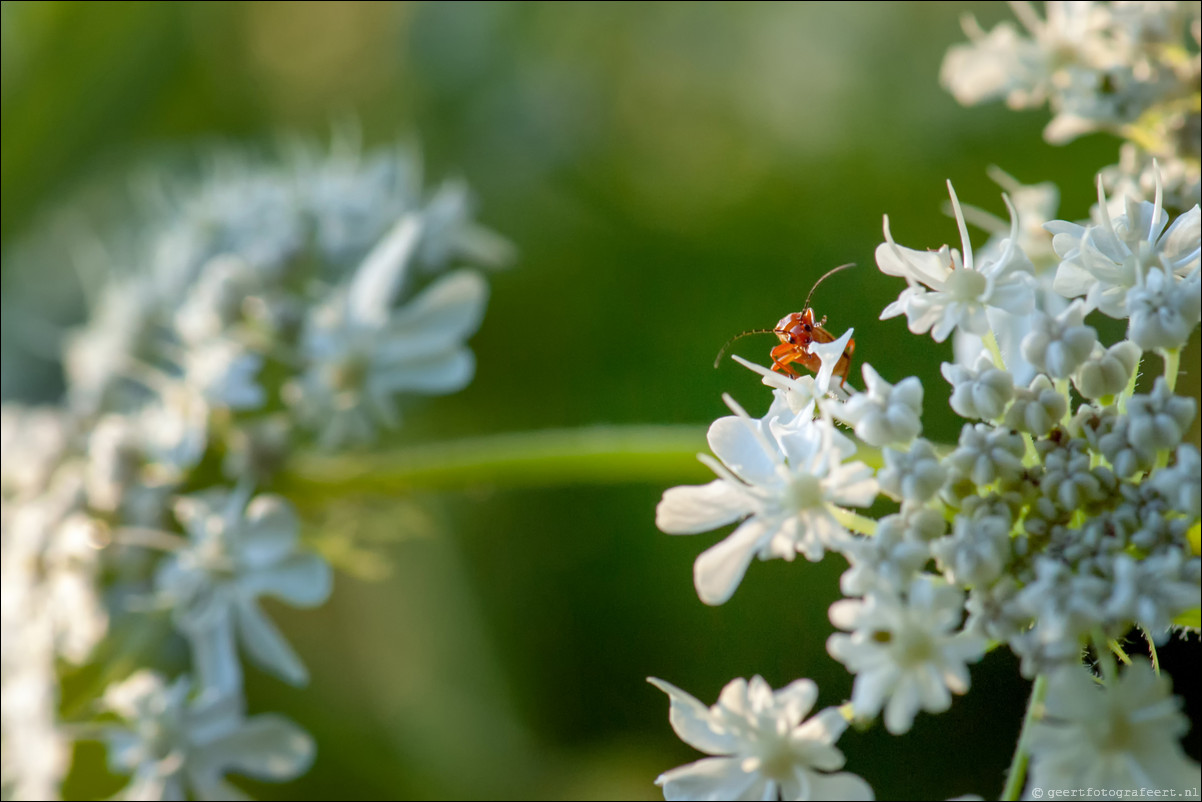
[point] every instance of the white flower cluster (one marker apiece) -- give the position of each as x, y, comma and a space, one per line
1059, 521
264, 307
1128, 68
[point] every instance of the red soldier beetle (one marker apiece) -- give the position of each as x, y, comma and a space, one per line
797, 332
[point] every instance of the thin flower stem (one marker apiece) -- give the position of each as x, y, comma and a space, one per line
1130, 391
991, 343
854, 521
1172, 365
594, 454
1105, 657
1016, 777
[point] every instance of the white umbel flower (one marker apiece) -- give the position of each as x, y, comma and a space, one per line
785, 475
236, 553
177, 747
980, 392
907, 653
1125, 735
762, 743
1059, 345
884, 414
1164, 310
1104, 261
947, 292
361, 351
1108, 370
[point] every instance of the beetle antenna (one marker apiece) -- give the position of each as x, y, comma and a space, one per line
824, 277
739, 336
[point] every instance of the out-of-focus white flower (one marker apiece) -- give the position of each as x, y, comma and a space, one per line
915, 475
1108, 370
986, 454
1036, 409
1122, 736
977, 550
884, 414
762, 745
784, 474
178, 747
32, 440
1058, 345
906, 653
1164, 310
1160, 419
361, 351
979, 392
1104, 261
1181, 482
887, 560
947, 293
236, 553
224, 374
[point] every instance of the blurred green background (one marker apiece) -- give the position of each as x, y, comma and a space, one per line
671, 174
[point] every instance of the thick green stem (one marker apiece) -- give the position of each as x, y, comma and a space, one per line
1172, 366
854, 521
600, 454
1016, 777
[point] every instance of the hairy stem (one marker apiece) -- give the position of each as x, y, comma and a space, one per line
1016, 776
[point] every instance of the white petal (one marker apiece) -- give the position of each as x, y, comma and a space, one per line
271, 531
719, 570
438, 374
843, 785
266, 646
379, 277
303, 580
266, 747
690, 509
690, 718
732, 440
714, 779
929, 267
450, 309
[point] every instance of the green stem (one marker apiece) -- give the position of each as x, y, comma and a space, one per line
1172, 365
1130, 391
1016, 777
854, 521
991, 343
601, 454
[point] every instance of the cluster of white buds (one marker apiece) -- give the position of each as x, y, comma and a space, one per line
1060, 521
1128, 68
269, 305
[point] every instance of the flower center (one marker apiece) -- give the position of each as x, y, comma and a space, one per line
806, 493
912, 646
966, 285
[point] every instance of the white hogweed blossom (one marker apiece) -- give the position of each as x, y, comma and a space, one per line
784, 477
884, 414
361, 351
980, 392
1108, 370
1105, 260
179, 747
763, 745
1058, 345
1164, 310
1124, 736
236, 553
948, 292
905, 651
